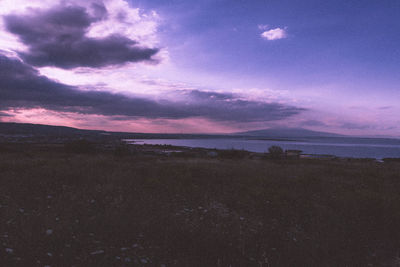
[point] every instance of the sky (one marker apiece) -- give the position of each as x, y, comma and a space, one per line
206, 66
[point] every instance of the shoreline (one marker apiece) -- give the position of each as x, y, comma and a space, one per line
301, 155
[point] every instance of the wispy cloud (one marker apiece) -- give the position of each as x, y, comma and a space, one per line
263, 27
274, 34
4, 114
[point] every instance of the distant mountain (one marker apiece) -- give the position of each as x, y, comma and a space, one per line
11, 128
287, 133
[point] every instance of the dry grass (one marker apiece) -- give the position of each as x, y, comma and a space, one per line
65, 209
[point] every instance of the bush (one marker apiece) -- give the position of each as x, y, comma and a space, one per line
275, 152
3, 148
232, 154
80, 146
391, 159
122, 151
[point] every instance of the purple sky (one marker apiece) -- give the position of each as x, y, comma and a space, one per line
202, 67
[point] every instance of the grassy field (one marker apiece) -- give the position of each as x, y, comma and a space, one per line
99, 209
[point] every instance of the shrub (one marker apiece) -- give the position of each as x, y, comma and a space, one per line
275, 152
293, 153
391, 159
122, 151
80, 146
232, 154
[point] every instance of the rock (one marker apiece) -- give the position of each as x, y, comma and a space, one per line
97, 252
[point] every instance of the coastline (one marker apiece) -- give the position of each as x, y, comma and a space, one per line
301, 154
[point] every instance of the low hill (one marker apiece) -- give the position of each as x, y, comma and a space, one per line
11, 128
40, 130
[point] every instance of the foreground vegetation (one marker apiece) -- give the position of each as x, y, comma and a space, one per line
61, 208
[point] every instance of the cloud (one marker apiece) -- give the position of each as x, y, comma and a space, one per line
22, 87
274, 34
385, 107
58, 37
53, 38
263, 27
313, 123
355, 126
229, 107
4, 114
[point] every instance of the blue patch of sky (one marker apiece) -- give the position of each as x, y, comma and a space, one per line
356, 42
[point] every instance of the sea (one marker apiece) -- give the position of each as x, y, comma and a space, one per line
377, 148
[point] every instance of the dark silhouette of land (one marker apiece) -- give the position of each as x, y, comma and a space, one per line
87, 199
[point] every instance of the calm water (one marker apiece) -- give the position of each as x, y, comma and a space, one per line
342, 147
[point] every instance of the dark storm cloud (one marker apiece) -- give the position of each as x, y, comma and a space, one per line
229, 107
56, 37
99, 10
21, 86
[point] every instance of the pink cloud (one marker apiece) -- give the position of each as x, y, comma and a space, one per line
114, 123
